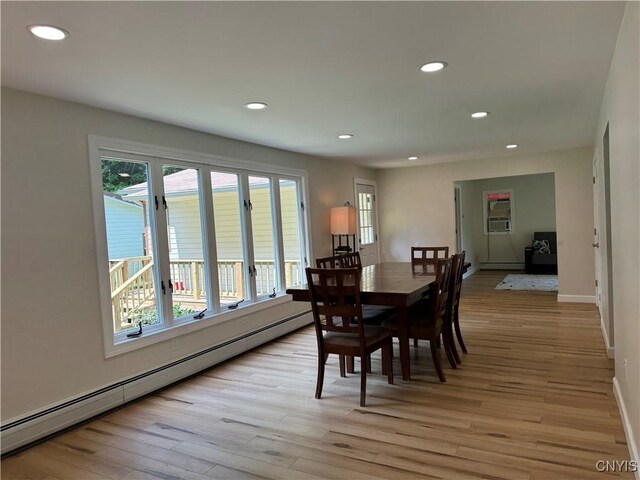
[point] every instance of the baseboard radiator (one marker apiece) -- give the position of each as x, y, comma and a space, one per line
24, 431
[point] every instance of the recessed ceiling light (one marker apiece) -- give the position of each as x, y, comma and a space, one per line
124, 174
433, 67
513, 145
412, 158
345, 136
479, 114
256, 105
48, 32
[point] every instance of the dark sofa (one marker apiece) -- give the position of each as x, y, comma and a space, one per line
542, 260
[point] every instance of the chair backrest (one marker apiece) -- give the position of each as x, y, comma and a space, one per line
427, 255
351, 260
457, 271
335, 300
424, 259
442, 289
329, 262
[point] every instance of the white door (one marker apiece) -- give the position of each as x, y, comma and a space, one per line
367, 221
596, 233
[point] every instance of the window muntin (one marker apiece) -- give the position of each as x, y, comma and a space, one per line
130, 244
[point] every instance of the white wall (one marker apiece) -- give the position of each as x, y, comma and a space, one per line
52, 337
620, 109
534, 211
416, 205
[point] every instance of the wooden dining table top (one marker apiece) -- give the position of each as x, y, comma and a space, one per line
390, 282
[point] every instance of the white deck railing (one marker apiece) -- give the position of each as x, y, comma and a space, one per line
132, 288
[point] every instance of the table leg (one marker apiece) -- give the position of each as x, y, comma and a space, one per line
403, 341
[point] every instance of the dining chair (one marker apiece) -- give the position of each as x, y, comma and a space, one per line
427, 320
427, 255
328, 262
457, 274
371, 314
339, 326
351, 260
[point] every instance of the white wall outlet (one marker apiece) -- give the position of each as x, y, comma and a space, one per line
175, 344
626, 378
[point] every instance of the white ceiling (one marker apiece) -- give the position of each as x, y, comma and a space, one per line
327, 68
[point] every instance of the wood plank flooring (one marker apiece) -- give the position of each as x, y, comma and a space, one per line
532, 400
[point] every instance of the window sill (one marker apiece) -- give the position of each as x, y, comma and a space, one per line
187, 326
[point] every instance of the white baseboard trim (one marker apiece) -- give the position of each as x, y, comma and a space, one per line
27, 429
611, 351
470, 272
501, 266
626, 424
577, 298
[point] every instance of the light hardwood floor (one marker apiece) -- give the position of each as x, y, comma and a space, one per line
532, 400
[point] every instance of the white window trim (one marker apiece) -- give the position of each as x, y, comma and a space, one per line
97, 145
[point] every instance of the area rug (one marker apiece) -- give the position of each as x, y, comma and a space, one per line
541, 283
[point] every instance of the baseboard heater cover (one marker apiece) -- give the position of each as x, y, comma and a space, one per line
29, 429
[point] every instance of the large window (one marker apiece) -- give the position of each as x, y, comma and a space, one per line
190, 241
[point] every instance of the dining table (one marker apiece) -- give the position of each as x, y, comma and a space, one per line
394, 284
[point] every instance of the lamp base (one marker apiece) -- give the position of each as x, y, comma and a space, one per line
341, 249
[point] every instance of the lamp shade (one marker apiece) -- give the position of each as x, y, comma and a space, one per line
343, 220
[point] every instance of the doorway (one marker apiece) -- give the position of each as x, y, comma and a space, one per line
367, 220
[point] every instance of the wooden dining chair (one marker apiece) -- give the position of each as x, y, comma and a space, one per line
427, 320
427, 255
351, 260
458, 272
329, 262
340, 329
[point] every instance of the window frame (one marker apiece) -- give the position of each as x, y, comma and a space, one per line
157, 156
485, 211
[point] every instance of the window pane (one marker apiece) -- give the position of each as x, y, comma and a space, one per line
262, 225
229, 243
129, 243
289, 205
365, 205
184, 232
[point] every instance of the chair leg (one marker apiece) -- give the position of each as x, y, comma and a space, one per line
321, 362
350, 364
415, 342
387, 362
342, 369
456, 323
368, 364
446, 340
363, 379
436, 358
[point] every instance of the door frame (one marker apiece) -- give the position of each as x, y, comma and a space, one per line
457, 201
374, 184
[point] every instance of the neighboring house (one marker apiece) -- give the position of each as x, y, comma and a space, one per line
185, 238
125, 227
185, 233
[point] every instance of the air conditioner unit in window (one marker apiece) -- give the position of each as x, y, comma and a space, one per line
499, 225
